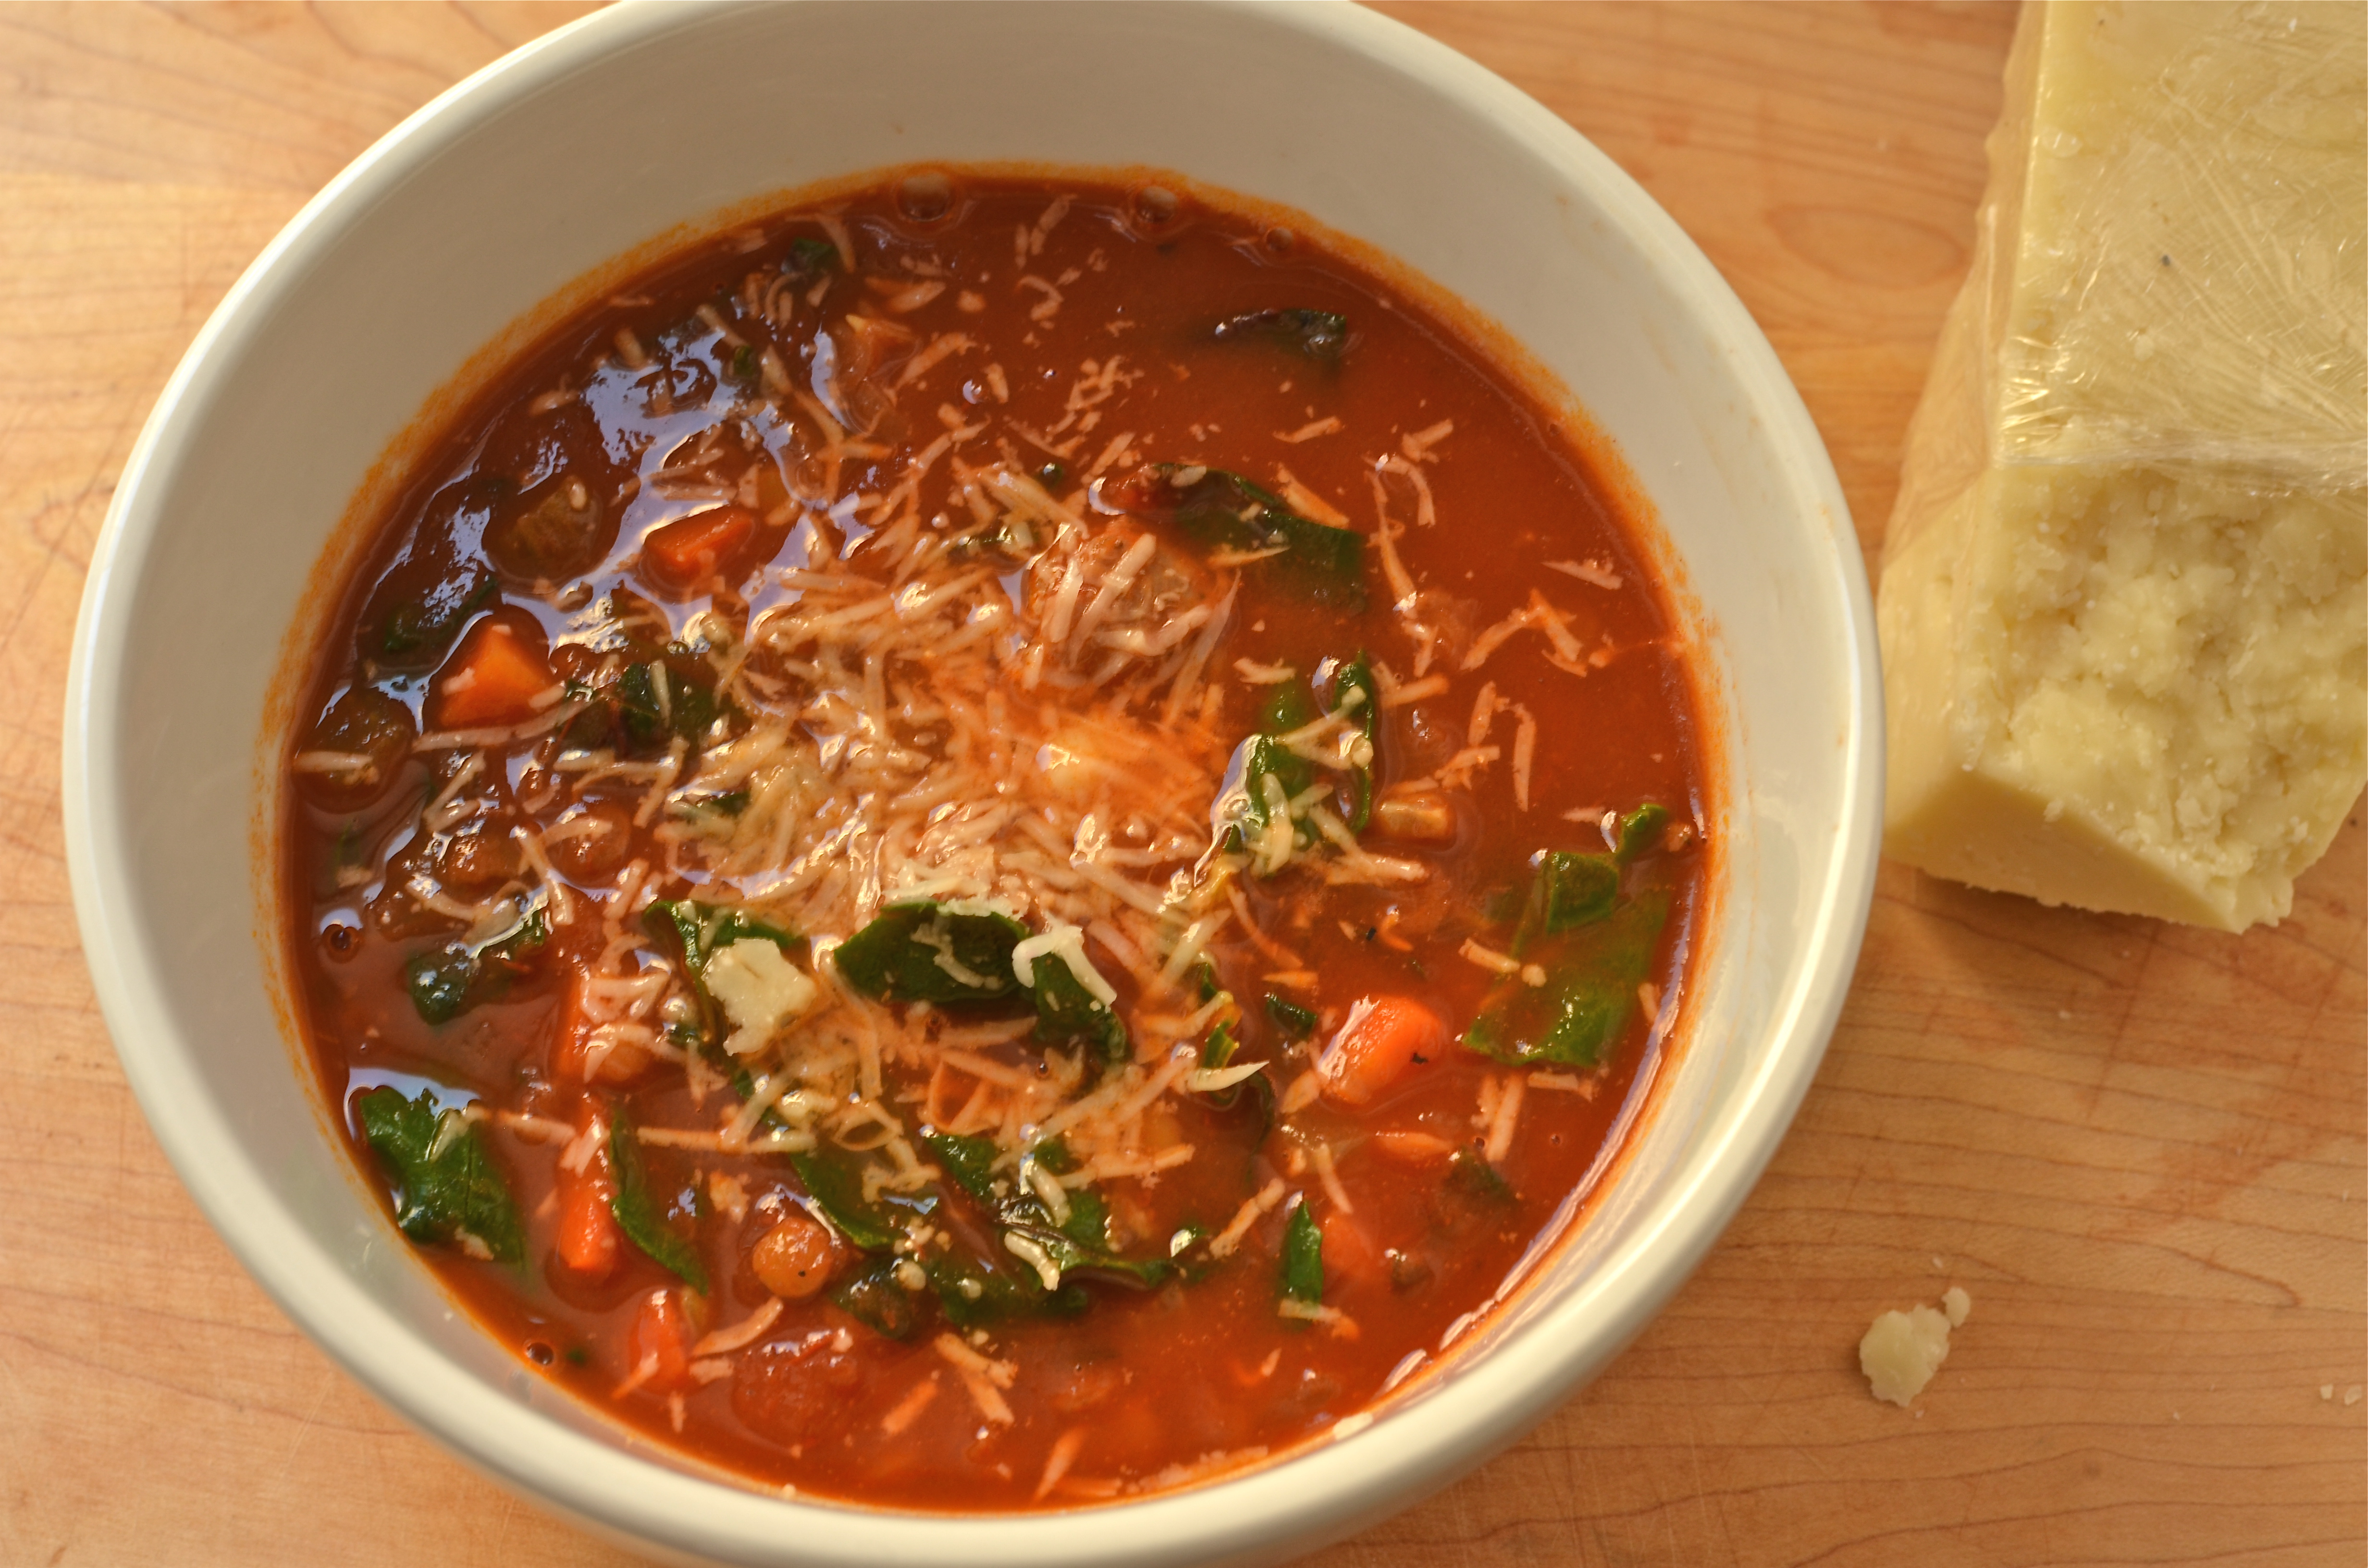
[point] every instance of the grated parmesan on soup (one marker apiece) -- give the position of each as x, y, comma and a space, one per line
997, 846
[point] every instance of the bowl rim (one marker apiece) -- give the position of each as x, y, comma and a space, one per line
1321, 1488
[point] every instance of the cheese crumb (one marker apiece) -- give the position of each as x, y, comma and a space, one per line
1901, 1350
760, 990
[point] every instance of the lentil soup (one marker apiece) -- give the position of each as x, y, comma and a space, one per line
999, 846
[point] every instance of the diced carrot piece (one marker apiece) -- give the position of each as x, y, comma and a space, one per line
492, 678
576, 1057
661, 1331
571, 1031
1348, 1251
1413, 1148
1384, 1037
689, 549
587, 1230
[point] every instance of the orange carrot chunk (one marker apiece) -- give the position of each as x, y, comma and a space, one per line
492, 678
1348, 1250
1386, 1038
587, 1230
660, 1339
578, 1056
1413, 1148
689, 549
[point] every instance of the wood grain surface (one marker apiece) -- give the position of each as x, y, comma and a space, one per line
2143, 1149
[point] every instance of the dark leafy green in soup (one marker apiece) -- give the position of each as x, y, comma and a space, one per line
996, 851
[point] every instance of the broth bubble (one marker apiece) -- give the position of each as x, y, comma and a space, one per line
1155, 207
925, 198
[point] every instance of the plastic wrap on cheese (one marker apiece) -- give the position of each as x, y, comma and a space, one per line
2125, 598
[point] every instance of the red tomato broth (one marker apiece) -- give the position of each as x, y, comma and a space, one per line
1145, 1389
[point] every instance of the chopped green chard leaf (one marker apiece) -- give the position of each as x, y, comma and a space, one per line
1355, 691
702, 930
1570, 890
705, 929
652, 714
976, 1292
1088, 1220
1592, 974
1295, 1021
440, 981
1468, 1171
635, 1206
348, 853
968, 1158
446, 1188
1641, 830
836, 1186
728, 803
1264, 776
446, 982
1065, 1253
979, 1292
1288, 707
1068, 1014
1205, 975
1302, 1256
523, 940
1257, 787
928, 953
1320, 336
1006, 541
1221, 511
874, 1296
1078, 1242
808, 255
1218, 1050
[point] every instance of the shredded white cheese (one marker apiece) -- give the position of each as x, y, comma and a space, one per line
1068, 944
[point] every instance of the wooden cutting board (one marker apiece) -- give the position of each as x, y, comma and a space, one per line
2143, 1149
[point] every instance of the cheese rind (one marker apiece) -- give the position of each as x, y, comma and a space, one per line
2124, 609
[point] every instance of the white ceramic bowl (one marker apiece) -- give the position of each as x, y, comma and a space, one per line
582, 146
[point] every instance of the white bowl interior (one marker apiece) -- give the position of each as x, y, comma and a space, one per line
586, 145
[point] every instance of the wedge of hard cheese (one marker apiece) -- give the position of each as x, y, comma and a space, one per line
2124, 600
